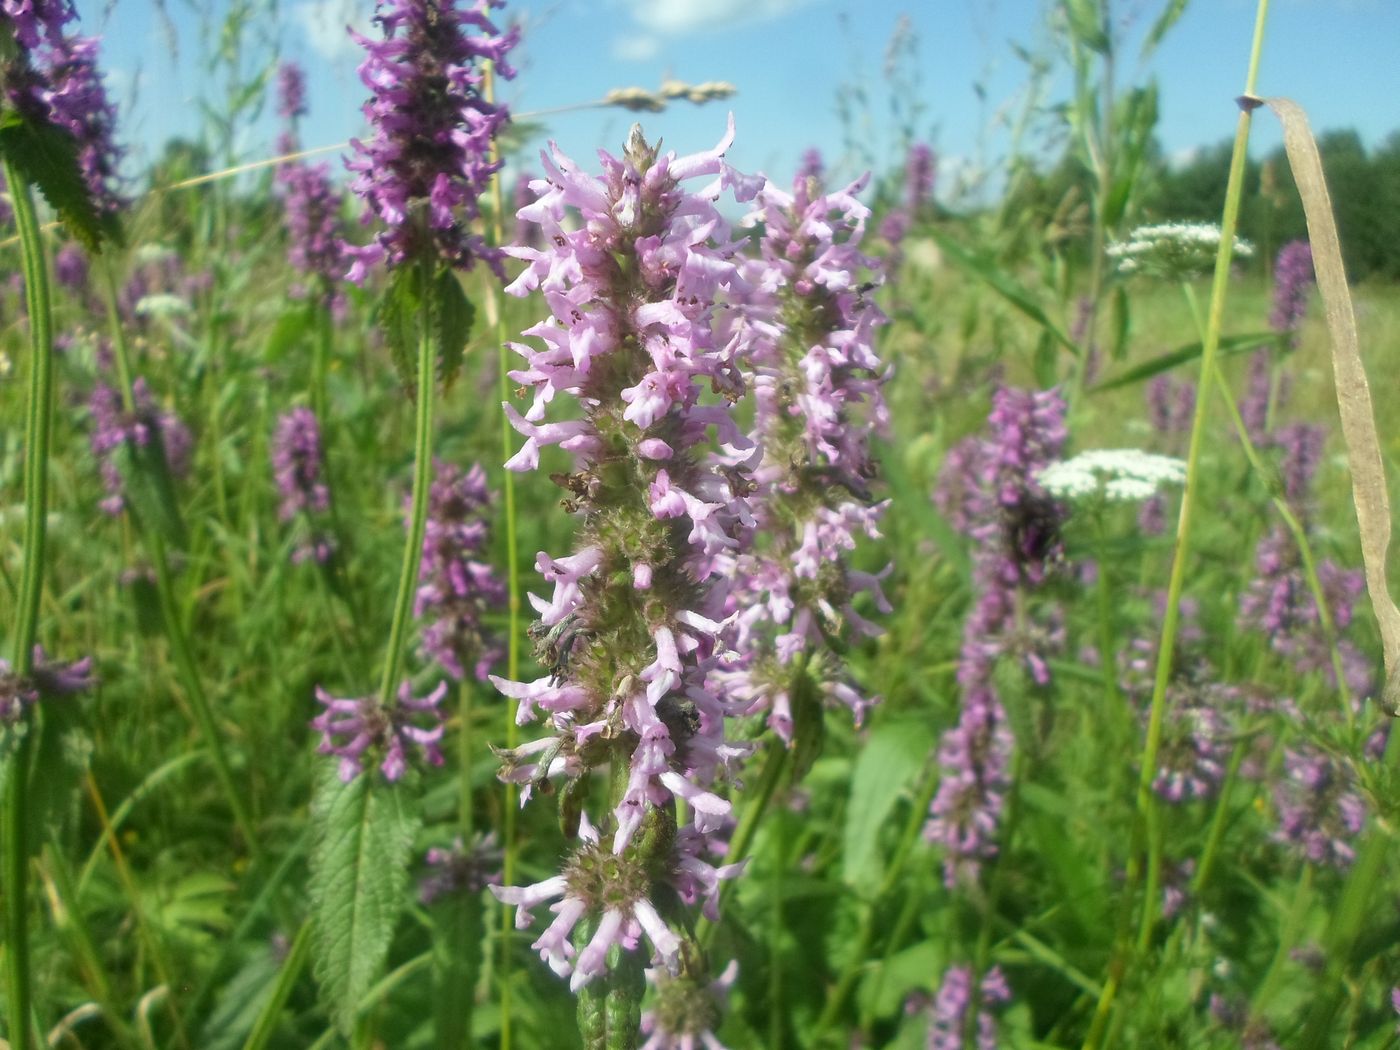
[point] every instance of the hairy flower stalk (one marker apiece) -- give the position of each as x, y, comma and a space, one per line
993, 492
817, 389
636, 623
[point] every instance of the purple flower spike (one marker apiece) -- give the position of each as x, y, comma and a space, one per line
812, 165
428, 160
76, 101
1293, 278
352, 727
291, 91
818, 384
1320, 810
920, 168
455, 586
113, 427
954, 1003
637, 271
299, 467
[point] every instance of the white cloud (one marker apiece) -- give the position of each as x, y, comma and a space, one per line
677, 17
324, 22
640, 48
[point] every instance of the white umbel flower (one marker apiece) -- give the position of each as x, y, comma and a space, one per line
1172, 249
161, 306
1121, 475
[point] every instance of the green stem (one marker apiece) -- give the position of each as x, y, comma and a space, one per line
38, 426
465, 817
418, 516
1146, 823
508, 829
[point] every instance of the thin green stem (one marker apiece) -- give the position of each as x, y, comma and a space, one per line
508, 829
38, 426
418, 515
1146, 824
465, 816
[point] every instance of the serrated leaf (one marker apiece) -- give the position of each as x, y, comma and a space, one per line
48, 158
240, 1001
453, 315
398, 315
359, 873
1234, 344
888, 763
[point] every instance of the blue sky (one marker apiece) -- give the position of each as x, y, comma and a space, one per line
788, 59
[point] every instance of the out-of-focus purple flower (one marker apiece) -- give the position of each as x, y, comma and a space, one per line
989, 489
920, 168
1320, 810
1293, 278
687, 1009
954, 1004
298, 464
1300, 446
70, 266
291, 91
113, 427
894, 226
1196, 744
428, 160
312, 208
459, 869
46, 678
352, 727
1171, 405
70, 88
455, 586
1265, 394
812, 166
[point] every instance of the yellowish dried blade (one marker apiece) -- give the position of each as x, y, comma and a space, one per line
1368, 488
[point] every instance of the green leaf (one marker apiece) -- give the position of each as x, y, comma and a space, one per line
150, 489
453, 315
1005, 285
808, 725
359, 872
890, 760
1230, 344
59, 756
458, 929
1160, 28
289, 330
1122, 323
399, 315
1086, 25
48, 157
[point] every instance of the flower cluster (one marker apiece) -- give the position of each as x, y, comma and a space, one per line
1293, 278
635, 625
455, 586
291, 91
1320, 810
920, 166
958, 996
298, 464
147, 424
56, 81
45, 679
1123, 475
460, 869
687, 1009
990, 488
1173, 250
429, 158
351, 728
817, 390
